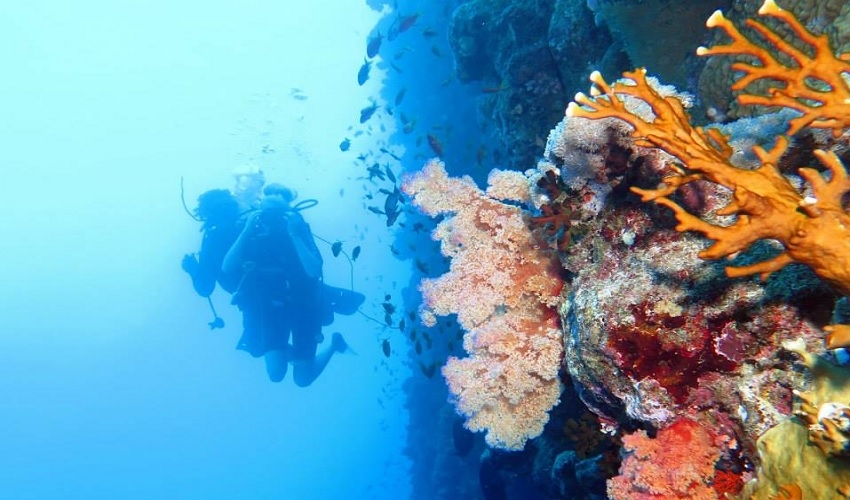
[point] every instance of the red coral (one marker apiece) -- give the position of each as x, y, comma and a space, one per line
678, 463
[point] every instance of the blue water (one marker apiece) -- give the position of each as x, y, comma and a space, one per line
111, 384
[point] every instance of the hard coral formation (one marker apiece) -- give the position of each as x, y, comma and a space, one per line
812, 229
789, 455
644, 29
503, 289
529, 56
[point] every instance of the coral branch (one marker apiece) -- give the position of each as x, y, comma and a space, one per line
811, 84
813, 230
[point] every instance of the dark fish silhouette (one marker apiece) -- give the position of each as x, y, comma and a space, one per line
297, 94
355, 253
345, 144
368, 111
363, 74
390, 174
375, 171
400, 96
462, 438
376, 210
388, 320
389, 308
401, 324
374, 46
336, 248
391, 202
407, 22
385, 347
435, 144
428, 370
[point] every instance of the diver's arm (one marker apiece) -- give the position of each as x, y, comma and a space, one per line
209, 262
231, 265
197, 267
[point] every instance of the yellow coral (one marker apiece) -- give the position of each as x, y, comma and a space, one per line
814, 230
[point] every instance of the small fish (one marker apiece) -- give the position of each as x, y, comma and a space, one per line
421, 266
368, 111
388, 307
418, 347
390, 174
413, 335
435, 144
391, 218
401, 324
481, 155
345, 144
297, 94
396, 67
386, 151
391, 202
363, 74
428, 370
388, 297
374, 45
388, 320
355, 253
336, 248
436, 51
341, 192
409, 126
429, 33
375, 171
407, 22
411, 315
400, 96
385, 347
376, 210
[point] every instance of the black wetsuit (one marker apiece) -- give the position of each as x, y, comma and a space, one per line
280, 294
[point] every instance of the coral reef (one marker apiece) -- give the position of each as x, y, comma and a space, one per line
812, 229
643, 30
830, 17
529, 56
503, 289
677, 463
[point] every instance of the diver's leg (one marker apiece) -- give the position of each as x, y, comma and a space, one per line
276, 341
308, 364
277, 363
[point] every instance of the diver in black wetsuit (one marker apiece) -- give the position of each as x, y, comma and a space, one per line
220, 213
280, 290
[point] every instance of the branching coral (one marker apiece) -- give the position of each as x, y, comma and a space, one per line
503, 289
813, 229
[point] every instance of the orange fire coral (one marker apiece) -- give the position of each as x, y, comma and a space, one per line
814, 230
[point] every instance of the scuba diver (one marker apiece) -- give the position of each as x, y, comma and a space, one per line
222, 223
222, 213
281, 292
